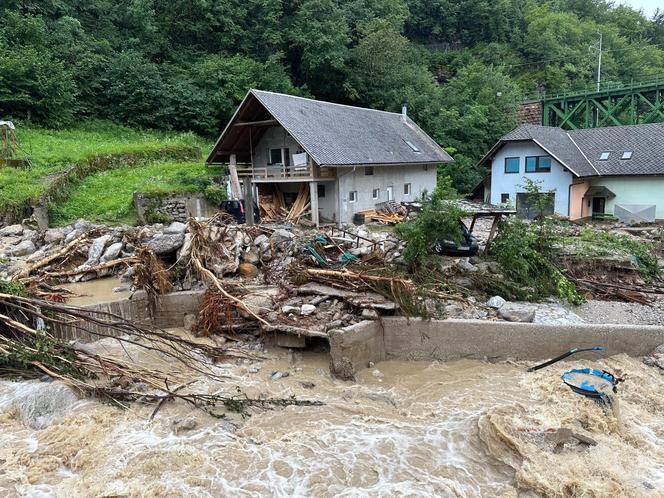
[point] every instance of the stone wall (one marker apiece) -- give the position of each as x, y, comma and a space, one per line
152, 208
530, 113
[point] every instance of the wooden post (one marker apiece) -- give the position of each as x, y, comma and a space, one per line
494, 226
235, 181
313, 199
248, 201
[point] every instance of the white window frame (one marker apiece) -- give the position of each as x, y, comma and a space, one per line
407, 189
375, 193
352, 196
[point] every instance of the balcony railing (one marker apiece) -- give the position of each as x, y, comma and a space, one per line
281, 172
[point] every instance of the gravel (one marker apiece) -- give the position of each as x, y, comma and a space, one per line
622, 313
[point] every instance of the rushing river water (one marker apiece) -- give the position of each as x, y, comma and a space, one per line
463, 428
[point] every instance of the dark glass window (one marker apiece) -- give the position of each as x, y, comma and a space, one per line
504, 198
275, 156
368, 170
321, 191
511, 165
538, 164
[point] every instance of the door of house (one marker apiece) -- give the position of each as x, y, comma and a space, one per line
599, 204
390, 193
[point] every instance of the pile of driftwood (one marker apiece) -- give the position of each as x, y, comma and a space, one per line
29, 349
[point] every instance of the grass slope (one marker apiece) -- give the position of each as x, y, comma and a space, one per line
107, 196
54, 150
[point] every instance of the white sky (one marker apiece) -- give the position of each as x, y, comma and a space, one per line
648, 6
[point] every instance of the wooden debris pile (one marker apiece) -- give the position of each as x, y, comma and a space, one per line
386, 213
274, 208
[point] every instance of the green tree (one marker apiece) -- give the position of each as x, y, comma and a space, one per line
319, 34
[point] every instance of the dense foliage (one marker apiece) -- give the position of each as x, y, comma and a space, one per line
462, 65
438, 220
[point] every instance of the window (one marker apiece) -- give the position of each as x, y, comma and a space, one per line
627, 154
511, 165
274, 156
426, 167
413, 147
604, 156
321, 191
375, 193
368, 171
538, 164
406, 189
352, 196
504, 198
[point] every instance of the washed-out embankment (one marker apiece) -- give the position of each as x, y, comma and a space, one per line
414, 339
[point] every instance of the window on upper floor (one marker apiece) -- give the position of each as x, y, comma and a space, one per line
538, 164
352, 196
627, 154
604, 156
274, 156
368, 170
511, 165
406, 189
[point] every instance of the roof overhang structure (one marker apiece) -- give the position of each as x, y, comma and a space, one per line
332, 135
246, 128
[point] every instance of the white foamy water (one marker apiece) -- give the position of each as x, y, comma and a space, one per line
462, 429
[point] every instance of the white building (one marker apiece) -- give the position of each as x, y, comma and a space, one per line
596, 172
351, 158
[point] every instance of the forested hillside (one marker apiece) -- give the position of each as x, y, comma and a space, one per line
462, 65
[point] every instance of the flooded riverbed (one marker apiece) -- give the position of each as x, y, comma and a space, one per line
463, 428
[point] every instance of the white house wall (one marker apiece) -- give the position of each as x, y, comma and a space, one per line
350, 179
558, 179
644, 190
274, 138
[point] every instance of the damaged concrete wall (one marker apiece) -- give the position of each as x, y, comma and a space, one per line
171, 311
398, 338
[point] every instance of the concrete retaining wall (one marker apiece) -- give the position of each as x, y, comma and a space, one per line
170, 313
397, 338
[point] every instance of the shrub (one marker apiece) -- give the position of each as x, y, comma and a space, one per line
439, 219
215, 193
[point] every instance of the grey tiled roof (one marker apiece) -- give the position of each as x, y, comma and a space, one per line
580, 150
336, 135
646, 142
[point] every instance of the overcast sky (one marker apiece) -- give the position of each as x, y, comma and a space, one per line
648, 6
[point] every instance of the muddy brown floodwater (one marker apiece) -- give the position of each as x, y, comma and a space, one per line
460, 429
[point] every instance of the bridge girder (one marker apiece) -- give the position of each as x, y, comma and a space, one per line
633, 104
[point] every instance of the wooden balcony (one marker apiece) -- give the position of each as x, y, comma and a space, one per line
281, 173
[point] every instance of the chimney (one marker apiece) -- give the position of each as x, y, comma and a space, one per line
404, 113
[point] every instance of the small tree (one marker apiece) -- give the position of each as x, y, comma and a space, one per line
439, 219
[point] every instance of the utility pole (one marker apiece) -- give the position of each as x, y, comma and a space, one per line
599, 62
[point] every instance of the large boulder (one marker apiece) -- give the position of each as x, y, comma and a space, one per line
513, 312
281, 235
11, 231
112, 252
54, 235
23, 248
96, 250
175, 228
165, 243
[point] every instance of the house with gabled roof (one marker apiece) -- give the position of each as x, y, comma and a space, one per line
351, 158
593, 172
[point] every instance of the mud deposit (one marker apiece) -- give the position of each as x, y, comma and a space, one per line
462, 428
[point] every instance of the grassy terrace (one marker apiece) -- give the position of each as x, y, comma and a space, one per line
105, 195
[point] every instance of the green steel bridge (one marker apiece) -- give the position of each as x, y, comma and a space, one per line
637, 103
